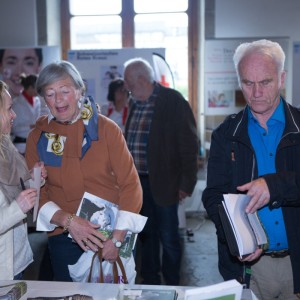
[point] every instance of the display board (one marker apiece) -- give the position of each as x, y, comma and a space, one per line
296, 74
99, 67
222, 93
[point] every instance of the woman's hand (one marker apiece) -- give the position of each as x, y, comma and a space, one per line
110, 251
85, 233
26, 199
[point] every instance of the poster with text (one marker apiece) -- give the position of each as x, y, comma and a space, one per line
222, 92
99, 67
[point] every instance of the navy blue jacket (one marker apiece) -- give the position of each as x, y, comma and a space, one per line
232, 162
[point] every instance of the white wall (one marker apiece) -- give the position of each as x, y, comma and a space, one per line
53, 22
244, 18
262, 19
18, 25
30, 23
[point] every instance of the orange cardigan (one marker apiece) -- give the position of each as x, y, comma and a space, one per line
106, 170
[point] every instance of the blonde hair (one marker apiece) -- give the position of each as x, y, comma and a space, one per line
3, 89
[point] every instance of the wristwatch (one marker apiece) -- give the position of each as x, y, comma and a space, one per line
117, 243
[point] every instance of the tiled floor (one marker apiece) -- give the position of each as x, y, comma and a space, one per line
199, 263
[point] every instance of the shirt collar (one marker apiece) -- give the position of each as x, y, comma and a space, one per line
278, 114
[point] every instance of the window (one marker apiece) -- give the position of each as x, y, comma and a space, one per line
140, 24
91, 32
158, 6
94, 7
168, 31
95, 26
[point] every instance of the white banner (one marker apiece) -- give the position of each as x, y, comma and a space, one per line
99, 67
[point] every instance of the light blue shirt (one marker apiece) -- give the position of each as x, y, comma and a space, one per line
265, 143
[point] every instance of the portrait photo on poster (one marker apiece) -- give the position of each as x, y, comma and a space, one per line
15, 61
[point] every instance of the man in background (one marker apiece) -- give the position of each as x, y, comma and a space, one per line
162, 137
257, 152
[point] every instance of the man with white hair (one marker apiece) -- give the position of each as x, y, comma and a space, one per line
256, 152
162, 137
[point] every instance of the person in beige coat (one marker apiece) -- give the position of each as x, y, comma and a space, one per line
15, 251
12, 218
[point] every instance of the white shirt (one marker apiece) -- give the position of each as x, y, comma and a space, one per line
27, 114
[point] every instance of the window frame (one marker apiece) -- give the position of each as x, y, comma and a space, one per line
127, 16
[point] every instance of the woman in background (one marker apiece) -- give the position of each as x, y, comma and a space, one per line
15, 250
117, 107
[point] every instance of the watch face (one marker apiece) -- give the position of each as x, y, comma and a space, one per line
117, 243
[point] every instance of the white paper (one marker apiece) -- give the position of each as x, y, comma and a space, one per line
231, 288
36, 184
236, 205
135, 293
247, 237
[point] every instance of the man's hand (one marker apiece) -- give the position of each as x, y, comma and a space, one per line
183, 194
253, 256
258, 191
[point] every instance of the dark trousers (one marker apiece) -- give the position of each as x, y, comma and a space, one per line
63, 252
161, 229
